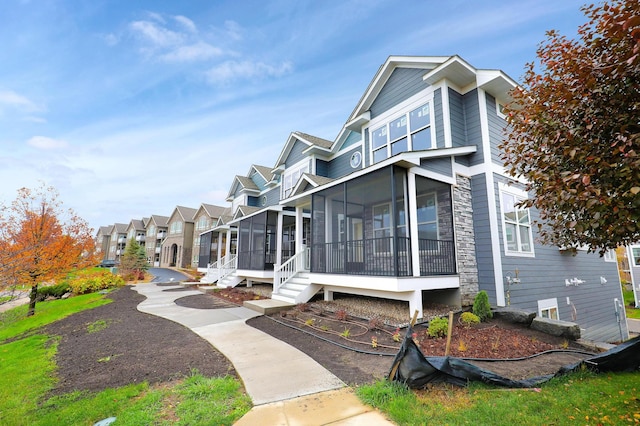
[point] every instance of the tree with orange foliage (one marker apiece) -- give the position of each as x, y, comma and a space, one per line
574, 131
40, 241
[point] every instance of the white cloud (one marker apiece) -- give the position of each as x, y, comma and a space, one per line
111, 39
232, 70
234, 30
14, 100
187, 23
158, 36
43, 142
190, 53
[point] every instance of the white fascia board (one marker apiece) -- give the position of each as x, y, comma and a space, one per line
275, 208
358, 122
455, 69
407, 159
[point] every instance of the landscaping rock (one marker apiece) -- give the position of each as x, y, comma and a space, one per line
568, 330
515, 315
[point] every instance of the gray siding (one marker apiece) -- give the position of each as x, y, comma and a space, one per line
322, 168
296, 155
543, 277
367, 148
482, 231
472, 121
441, 166
340, 166
496, 128
273, 196
458, 125
401, 85
353, 138
438, 118
259, 181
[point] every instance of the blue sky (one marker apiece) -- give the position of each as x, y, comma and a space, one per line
130, 108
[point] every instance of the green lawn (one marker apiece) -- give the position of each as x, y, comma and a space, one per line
579, 398
27, 375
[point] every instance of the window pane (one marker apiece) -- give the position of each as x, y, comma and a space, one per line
428, 231
510, 231
635, 252
421, 140
553, 313
426, 209
379, 137
523, 217
525, 244
399, 146
419, 117
381, 216
508, 207
398, 128
379, 155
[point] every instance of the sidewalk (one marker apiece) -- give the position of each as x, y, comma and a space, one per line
287, 387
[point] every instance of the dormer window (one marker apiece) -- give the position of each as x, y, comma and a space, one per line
291, 177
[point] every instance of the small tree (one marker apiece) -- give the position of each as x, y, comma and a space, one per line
134, 259
481, 306
40, 241
574, 131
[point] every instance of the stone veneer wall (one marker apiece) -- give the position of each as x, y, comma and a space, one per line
465, 240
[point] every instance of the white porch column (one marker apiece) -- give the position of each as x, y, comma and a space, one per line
279, 238
413, 227
219, 248
415, 303
299, 229
228, 243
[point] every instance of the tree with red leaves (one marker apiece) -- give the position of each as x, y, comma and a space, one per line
39, 241
574, 131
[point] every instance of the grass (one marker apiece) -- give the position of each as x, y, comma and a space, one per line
27, 377
578, 398
629, 303
15, 322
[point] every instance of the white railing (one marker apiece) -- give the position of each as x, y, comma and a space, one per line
283, 273
227, 268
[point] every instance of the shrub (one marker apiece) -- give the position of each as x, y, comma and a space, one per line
342, 315
56, 291
481, 306
469, 318
91, 280
438, 327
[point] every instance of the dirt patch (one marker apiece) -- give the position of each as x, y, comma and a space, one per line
115, 344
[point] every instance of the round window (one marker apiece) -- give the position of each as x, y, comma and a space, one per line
264, 200
356, 159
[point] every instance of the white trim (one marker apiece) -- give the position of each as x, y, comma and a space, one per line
446, 114
491, 202
519, 194
413, 220
632, 260
548, 304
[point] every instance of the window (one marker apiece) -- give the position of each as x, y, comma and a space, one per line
176, 228
635, 256
151, 231
500, 110
291, 177
548, 308
356, 160
516, 223
382, 221
203, 223
610, 256
427, 217
409, 132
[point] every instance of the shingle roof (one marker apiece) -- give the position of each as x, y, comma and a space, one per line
264, 171
162, 221
213, 210
247, 183
323, 143
187, 213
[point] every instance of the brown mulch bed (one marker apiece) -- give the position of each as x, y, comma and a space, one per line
136, 347
133, 347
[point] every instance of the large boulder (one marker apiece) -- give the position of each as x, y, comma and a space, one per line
568, 330
514, 315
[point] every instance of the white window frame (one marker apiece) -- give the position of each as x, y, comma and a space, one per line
519, 195
291, 176
549, 306
151, 231
499, 108
633, 257
403, 109
610, 256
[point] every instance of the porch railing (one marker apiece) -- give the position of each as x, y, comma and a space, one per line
227, 268
386, 256
283, 273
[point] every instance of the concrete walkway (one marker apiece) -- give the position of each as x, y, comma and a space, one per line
287, 387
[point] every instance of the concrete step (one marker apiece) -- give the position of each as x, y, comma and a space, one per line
267, 306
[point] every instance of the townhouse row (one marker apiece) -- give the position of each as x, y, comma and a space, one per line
409, 202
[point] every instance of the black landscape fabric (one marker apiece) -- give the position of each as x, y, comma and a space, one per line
415, 370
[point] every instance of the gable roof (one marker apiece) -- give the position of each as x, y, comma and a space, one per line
313, 143
242, 211
186, 213
120, 228
246, 183
307, 180
212, 210
136, 224
264, 171
160, 221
